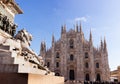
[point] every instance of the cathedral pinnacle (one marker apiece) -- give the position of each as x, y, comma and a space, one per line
43, 46
101, 44
105, 45
80, 28
90, 38
77, 27
53, 39
63, 29
90, 35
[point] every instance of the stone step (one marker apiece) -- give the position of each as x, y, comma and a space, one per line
6, 60
5, 53
8, 68
5, 47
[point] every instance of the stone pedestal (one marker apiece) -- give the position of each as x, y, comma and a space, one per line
25, 78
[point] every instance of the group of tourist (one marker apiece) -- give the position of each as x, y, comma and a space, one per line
7, 26
100, 82
89, 82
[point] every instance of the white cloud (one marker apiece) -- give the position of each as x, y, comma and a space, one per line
84, 19
78, 19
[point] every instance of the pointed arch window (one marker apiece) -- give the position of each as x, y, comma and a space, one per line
87, 77
57, 64
98, 78
86, 65
86, 55
71, 43
71, 75
97, 65
71, 57
57, 55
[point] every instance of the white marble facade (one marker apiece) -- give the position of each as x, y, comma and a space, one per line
76, 58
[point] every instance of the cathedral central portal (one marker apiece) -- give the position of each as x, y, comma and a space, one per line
71, 75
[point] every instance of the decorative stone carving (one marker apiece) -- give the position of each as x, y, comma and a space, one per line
13, 29
4, 20
7, 1
1, 23
7, 26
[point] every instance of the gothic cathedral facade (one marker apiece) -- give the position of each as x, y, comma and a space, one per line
75, 58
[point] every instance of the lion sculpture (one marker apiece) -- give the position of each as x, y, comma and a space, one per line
27, 52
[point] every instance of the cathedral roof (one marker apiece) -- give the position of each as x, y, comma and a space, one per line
71, 32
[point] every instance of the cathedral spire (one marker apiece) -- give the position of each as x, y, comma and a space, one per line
101, 45
104, 42
80, 28
77, 27
90, 35
53, 38
43, 46
105, 45
90, 38
63, 28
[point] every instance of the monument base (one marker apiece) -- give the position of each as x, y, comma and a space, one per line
24, 78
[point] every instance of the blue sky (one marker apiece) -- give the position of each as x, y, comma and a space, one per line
42, 18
